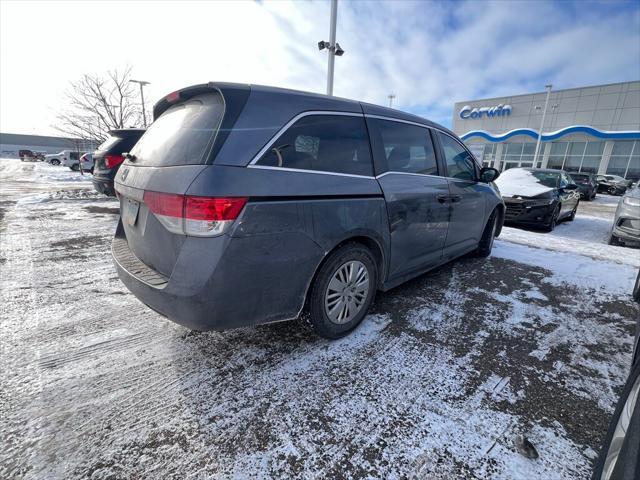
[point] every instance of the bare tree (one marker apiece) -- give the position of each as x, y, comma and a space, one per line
99, 103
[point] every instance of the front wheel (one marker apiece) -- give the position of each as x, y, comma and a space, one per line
636, 289
554, 220
488, 235
613, 191
573, 213
343, 291
55, 162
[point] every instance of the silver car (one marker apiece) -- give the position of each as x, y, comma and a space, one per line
626, 223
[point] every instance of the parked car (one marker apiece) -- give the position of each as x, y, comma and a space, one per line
538, 197
612, 184
619, 457
244, 204
587, 184
626, 222
27, 156
66, 158
86, 162
109, 156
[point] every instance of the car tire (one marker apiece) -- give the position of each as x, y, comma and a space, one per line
342, 276
636, 289
554, 220
75, 167
612, 191
613, 240
572, 216
55, 162
488, 236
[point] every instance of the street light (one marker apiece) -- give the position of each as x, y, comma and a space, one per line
391, 96
142, 83
544, 113
332, 46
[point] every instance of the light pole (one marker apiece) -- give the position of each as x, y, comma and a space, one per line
142, 83
391, 96
544, 113
332, 46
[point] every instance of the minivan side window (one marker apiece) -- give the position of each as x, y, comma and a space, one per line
460, 163
329, 143
407, 148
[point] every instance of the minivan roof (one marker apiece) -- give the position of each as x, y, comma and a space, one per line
261, 111
323, 102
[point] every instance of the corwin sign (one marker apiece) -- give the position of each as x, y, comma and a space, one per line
479, 112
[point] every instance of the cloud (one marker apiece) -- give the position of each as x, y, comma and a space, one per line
430, 54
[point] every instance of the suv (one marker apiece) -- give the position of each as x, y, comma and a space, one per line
109, 156
66, 158
244, 204
587, 184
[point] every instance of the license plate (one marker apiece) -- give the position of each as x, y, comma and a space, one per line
130, 211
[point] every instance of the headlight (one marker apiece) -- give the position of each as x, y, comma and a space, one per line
631, 201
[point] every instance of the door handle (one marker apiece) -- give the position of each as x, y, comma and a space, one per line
455, 198
442, 198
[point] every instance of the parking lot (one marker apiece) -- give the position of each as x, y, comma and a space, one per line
436, 382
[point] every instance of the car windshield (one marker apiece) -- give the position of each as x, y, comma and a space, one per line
548, 179
108, 143
580, 178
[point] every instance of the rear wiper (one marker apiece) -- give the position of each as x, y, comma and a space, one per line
129, 156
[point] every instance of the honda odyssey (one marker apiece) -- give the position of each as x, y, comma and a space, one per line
244, 204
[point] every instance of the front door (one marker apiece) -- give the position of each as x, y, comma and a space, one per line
468, 217
416, 196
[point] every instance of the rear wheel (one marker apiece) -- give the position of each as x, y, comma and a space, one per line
55, 162
612, 190
75, 167
613, 240
343, 291
554, 220
488, 235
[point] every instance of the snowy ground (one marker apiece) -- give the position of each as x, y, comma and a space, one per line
435, 384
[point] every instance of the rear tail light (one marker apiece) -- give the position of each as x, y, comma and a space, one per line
196, 216
111, 161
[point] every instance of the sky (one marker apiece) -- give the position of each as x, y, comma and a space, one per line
430, 54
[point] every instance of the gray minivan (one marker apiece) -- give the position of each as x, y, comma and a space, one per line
246, 204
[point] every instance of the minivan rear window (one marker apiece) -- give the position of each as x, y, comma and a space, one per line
183, 134
329, 143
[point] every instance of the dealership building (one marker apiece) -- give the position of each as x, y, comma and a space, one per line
589, 129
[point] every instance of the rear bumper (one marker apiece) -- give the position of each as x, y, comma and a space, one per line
224, 282
104, 185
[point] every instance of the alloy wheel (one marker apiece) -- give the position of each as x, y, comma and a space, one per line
347, 292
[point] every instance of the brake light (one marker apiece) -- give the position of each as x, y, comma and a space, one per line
111, 161
192, 215
172, 97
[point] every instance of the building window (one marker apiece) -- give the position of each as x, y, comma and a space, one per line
576, 156
519, 155
625, 159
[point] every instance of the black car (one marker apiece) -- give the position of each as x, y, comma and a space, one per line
108, 157
538, 197
587, 184
244, 204
612, 184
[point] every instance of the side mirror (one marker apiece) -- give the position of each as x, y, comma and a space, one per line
488, 174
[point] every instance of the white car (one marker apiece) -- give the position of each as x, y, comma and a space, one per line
66, 158
86, 162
